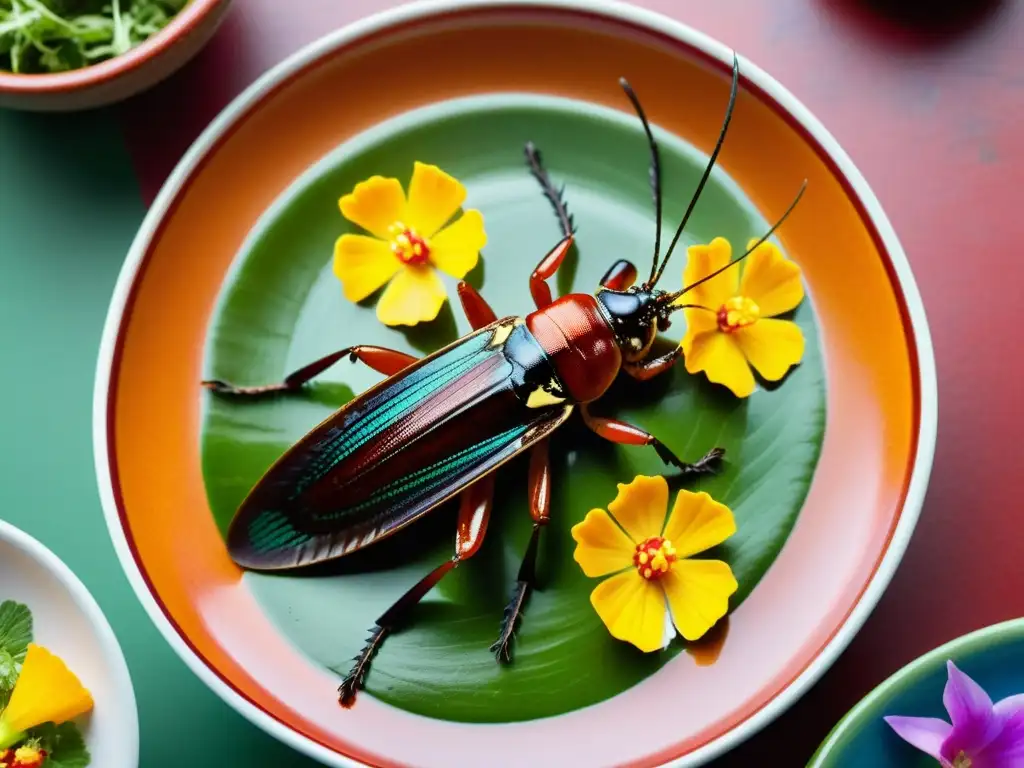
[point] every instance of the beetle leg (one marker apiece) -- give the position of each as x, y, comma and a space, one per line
478, 311
380, 359
555, 196
474, 512
648, 369
626, 434
539, 289
540, 509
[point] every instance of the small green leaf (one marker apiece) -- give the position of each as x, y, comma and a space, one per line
64, 745
15, 629
9, 671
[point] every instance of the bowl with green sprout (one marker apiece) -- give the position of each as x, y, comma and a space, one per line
59, 55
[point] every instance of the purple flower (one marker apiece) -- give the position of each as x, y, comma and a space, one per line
983, 734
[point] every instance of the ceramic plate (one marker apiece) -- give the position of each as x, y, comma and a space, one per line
990, 656
231, 278
67, 621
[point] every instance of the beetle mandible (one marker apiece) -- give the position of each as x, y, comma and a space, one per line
440, 426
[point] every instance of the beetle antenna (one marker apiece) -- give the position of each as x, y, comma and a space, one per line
668, 298
707, 171
655, 171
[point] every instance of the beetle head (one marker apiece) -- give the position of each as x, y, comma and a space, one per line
636, 315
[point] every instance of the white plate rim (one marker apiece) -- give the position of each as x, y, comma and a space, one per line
113, 654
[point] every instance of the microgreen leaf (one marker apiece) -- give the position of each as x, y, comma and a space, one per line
57, 35
64, 745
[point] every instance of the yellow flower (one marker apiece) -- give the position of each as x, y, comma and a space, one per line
656, 589
735, 326
46, 692
409, 241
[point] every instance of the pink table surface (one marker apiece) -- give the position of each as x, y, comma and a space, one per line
933, 120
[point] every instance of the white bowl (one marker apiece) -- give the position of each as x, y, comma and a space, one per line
68, 622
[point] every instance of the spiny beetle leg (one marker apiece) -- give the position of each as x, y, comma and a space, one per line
380, 359
623, 433
648, 369
540, 511
386, 624
708, 464
555, 196
474, 513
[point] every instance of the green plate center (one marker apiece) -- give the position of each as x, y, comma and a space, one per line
282, 307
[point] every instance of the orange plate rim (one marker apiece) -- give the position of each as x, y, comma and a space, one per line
755, 80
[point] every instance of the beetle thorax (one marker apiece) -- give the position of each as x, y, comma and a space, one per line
575, 334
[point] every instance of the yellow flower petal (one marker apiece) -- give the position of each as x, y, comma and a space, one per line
698, 322
771, 346
632, 608
456, 248
363, 264
375, 204
771, 280
414, 295
697, 523
719, 356
46, 692
434, 197
701, 261
640, 507
698, 594
601, 546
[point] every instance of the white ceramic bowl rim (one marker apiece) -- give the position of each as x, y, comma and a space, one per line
112, 653
857, 185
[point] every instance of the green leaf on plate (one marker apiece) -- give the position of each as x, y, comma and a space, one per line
283, 308
15, 635
9, 671
15, 629
64, 745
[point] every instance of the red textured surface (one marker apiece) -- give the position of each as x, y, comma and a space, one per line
933, 120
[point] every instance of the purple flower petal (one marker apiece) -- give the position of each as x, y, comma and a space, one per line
1009, 706
925, 733
970, 708
1007, 749
964, 699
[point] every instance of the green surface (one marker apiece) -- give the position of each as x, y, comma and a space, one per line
69, 206
991, 657
284, 308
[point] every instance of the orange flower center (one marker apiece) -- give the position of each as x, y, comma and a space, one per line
737, 312
28, 757
408, 247
653, 557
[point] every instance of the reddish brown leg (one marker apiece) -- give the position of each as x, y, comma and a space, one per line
648, 369
539, 289
386, 361
621, 275
474, 512
540, 509
626, 434
478, 311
